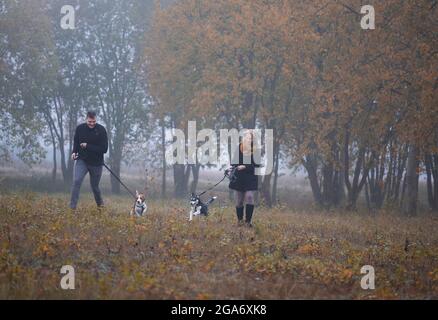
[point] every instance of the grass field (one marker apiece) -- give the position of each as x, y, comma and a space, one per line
286, 255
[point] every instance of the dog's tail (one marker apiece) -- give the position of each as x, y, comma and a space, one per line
211, 200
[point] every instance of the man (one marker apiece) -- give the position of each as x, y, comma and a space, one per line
90, 144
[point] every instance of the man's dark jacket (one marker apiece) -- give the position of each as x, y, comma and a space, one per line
97, 143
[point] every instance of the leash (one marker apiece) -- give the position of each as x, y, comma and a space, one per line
120, 181
227, 174
212, 186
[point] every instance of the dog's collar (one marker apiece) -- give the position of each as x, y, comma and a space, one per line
140, 205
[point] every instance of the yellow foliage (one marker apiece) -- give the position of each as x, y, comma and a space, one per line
163, 256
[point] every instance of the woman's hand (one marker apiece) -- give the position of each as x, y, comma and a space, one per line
241, 167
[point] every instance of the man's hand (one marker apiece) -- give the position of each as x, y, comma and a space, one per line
241, 167
83, 145
74, 156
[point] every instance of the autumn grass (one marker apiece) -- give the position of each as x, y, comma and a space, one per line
287, 255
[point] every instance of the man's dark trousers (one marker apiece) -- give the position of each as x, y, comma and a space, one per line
80, 170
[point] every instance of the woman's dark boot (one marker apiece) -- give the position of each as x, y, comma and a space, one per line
248, 214
239, 212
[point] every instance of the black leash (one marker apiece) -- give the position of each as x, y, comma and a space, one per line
212, 186
227, 174
120, 181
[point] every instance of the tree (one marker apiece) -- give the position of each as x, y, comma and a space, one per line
113, 44
27, 70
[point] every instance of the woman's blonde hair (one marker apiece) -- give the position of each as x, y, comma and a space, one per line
249, 142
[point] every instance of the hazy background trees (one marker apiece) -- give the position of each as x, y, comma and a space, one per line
355, 109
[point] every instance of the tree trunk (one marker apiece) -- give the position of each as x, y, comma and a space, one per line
310, 165
432, 183
63, 159
354, 188
266, 190
340, 188
410, 207
328, 190
367, 195
400, 170
72, 127
427, 162
275, 182
181, 174
178, 177
435, 181
54, 155
116, 161
195, 173
163, 151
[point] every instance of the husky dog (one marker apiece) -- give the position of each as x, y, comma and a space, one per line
140, 207
198, 207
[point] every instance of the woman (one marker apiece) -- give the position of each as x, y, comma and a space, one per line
245, 182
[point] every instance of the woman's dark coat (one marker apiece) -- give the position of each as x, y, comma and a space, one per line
245, 180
